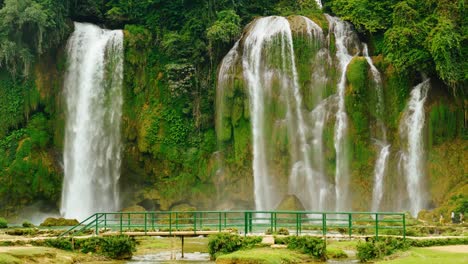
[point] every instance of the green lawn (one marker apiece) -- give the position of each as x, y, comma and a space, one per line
265, 255
427, 256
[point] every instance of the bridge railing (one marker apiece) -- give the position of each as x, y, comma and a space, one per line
245, 222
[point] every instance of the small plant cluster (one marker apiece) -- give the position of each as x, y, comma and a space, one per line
59, 222
224, 243
376, 249
314, 246
438, 242
3, 223
280, 231
115, 247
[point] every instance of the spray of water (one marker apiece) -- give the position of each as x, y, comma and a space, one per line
93, 95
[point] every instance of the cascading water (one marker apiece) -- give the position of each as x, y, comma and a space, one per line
381, 141
299, 127
346, 41
259, 79
379, 175
411, 130
93, 93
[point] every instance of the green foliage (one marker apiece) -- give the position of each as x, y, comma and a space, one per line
115, 247
60, 243
445, 43
366, 15
28, 29
226, 28
373, 249
224, 243
438, 242
313, 246
3, 223
50, 221
27, 224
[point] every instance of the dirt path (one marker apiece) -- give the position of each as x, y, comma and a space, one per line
452, 249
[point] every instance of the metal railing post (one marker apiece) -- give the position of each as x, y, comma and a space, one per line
297, 224
404, 227
128, 221
170, 223
97, 226
250, 221
146, 215
121, 223
195, 223
350, 224
271, 223
105, 221
219, 221
377, 226
324, 224
246, 221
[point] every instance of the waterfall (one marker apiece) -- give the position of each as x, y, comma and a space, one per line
411, 130
319, 3
346, 41
379, 174
381, 142
93, 95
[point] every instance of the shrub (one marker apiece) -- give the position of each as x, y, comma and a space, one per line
3, 223
373, 249
59, 222
283, 231
224, 243
336, 253
28, 224
366, 251
115, 247
314, 246
21, 232
60, 243
438, 242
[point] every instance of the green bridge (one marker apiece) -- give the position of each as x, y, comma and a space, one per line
196, 223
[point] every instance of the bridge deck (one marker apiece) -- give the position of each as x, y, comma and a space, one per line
196, 223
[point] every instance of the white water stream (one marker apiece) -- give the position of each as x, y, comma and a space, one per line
347, 46
93, 93
411, 130
381, 162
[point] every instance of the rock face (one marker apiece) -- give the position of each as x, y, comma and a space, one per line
290, 203
177, 149
317, 117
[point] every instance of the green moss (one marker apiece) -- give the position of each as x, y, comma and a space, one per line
396, 93
445, 123
242, 138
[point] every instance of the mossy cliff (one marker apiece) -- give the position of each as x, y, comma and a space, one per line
173, 155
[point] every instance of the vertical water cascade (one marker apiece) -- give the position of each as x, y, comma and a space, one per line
93, 95
347, 46
411, 131
381, 162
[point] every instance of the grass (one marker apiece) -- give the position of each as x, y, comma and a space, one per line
31, 254
8, 259
264, 255
152, 244
426, 256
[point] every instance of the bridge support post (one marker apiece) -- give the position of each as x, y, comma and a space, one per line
182, 237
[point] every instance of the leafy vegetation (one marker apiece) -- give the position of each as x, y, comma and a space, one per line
172, 53
313, 246
428, 36
115, 247
3, 223
224, 243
